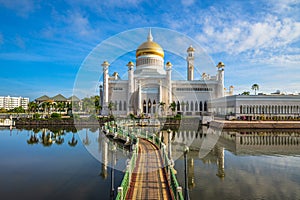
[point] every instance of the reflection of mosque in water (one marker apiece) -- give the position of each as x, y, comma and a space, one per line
208, 145
205, 144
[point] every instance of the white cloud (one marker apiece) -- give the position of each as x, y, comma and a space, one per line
22, 8
20, 42
187, 2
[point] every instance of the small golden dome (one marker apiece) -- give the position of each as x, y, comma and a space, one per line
220, 65
190, 49
149, 47
130, 64
169, 64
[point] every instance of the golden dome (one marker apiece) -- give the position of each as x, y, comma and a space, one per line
149, 47
190, 49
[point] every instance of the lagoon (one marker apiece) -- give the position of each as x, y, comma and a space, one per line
260, 164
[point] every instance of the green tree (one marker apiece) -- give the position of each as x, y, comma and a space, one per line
88, 105
19, 109
246, 93
255, 87
60, 106
111, 105
32, 107
172, 106
97, 103
162, 106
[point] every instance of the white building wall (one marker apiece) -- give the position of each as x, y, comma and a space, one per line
13, 102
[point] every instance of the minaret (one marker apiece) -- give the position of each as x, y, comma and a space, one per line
104, 159
191, 174
220, 67
169, 82
105, 66
190, 63
220, 155
130, 66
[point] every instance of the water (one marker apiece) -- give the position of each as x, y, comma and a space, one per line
261, 165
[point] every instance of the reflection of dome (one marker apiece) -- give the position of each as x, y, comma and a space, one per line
149, 47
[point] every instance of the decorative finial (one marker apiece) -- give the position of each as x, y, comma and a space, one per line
150, 38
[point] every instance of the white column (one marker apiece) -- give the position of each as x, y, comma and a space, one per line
130, 66
139, 98
169, 82
105, 66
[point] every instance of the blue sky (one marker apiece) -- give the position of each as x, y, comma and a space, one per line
43, 43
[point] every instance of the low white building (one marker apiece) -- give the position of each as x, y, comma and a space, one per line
266, 106
9, 103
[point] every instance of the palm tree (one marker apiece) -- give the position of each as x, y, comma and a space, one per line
73, 142
110, 107
162, 106
173, 106
32, 107
255, 87
60, 106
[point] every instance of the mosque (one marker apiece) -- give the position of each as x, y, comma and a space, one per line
150, 89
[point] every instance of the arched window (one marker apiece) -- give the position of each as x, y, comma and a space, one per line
149, 106
116, 105
192, 106
200, 106
144, 106
205, 106
125, 105
241, 109
187, 106
154, 106
178, 106
196, 106
120, 105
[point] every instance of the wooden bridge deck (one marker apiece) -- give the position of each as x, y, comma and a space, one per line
149, 178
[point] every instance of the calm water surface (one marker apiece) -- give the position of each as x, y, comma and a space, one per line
235, 165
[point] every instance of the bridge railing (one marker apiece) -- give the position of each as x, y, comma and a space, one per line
175, 188
123, 189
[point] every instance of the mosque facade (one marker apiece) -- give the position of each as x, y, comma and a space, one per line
150, 89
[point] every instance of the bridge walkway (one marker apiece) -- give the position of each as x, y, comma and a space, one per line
149, 177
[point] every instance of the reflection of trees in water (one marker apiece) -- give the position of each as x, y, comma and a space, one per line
73, 141
51, 135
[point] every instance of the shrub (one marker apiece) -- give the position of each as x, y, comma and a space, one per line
93, 117
55, 116
36, 116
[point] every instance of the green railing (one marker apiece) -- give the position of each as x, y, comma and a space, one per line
122, 190
175, 188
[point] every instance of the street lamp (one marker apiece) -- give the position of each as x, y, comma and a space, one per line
169, 145
186, 191
112, 191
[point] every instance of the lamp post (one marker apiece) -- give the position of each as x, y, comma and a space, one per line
112, 191
186, 191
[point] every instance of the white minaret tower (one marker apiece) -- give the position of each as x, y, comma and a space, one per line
105, 66
190, 63
130, 66
169, 83
220, 67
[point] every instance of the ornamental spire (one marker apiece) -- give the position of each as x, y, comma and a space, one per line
150, 38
